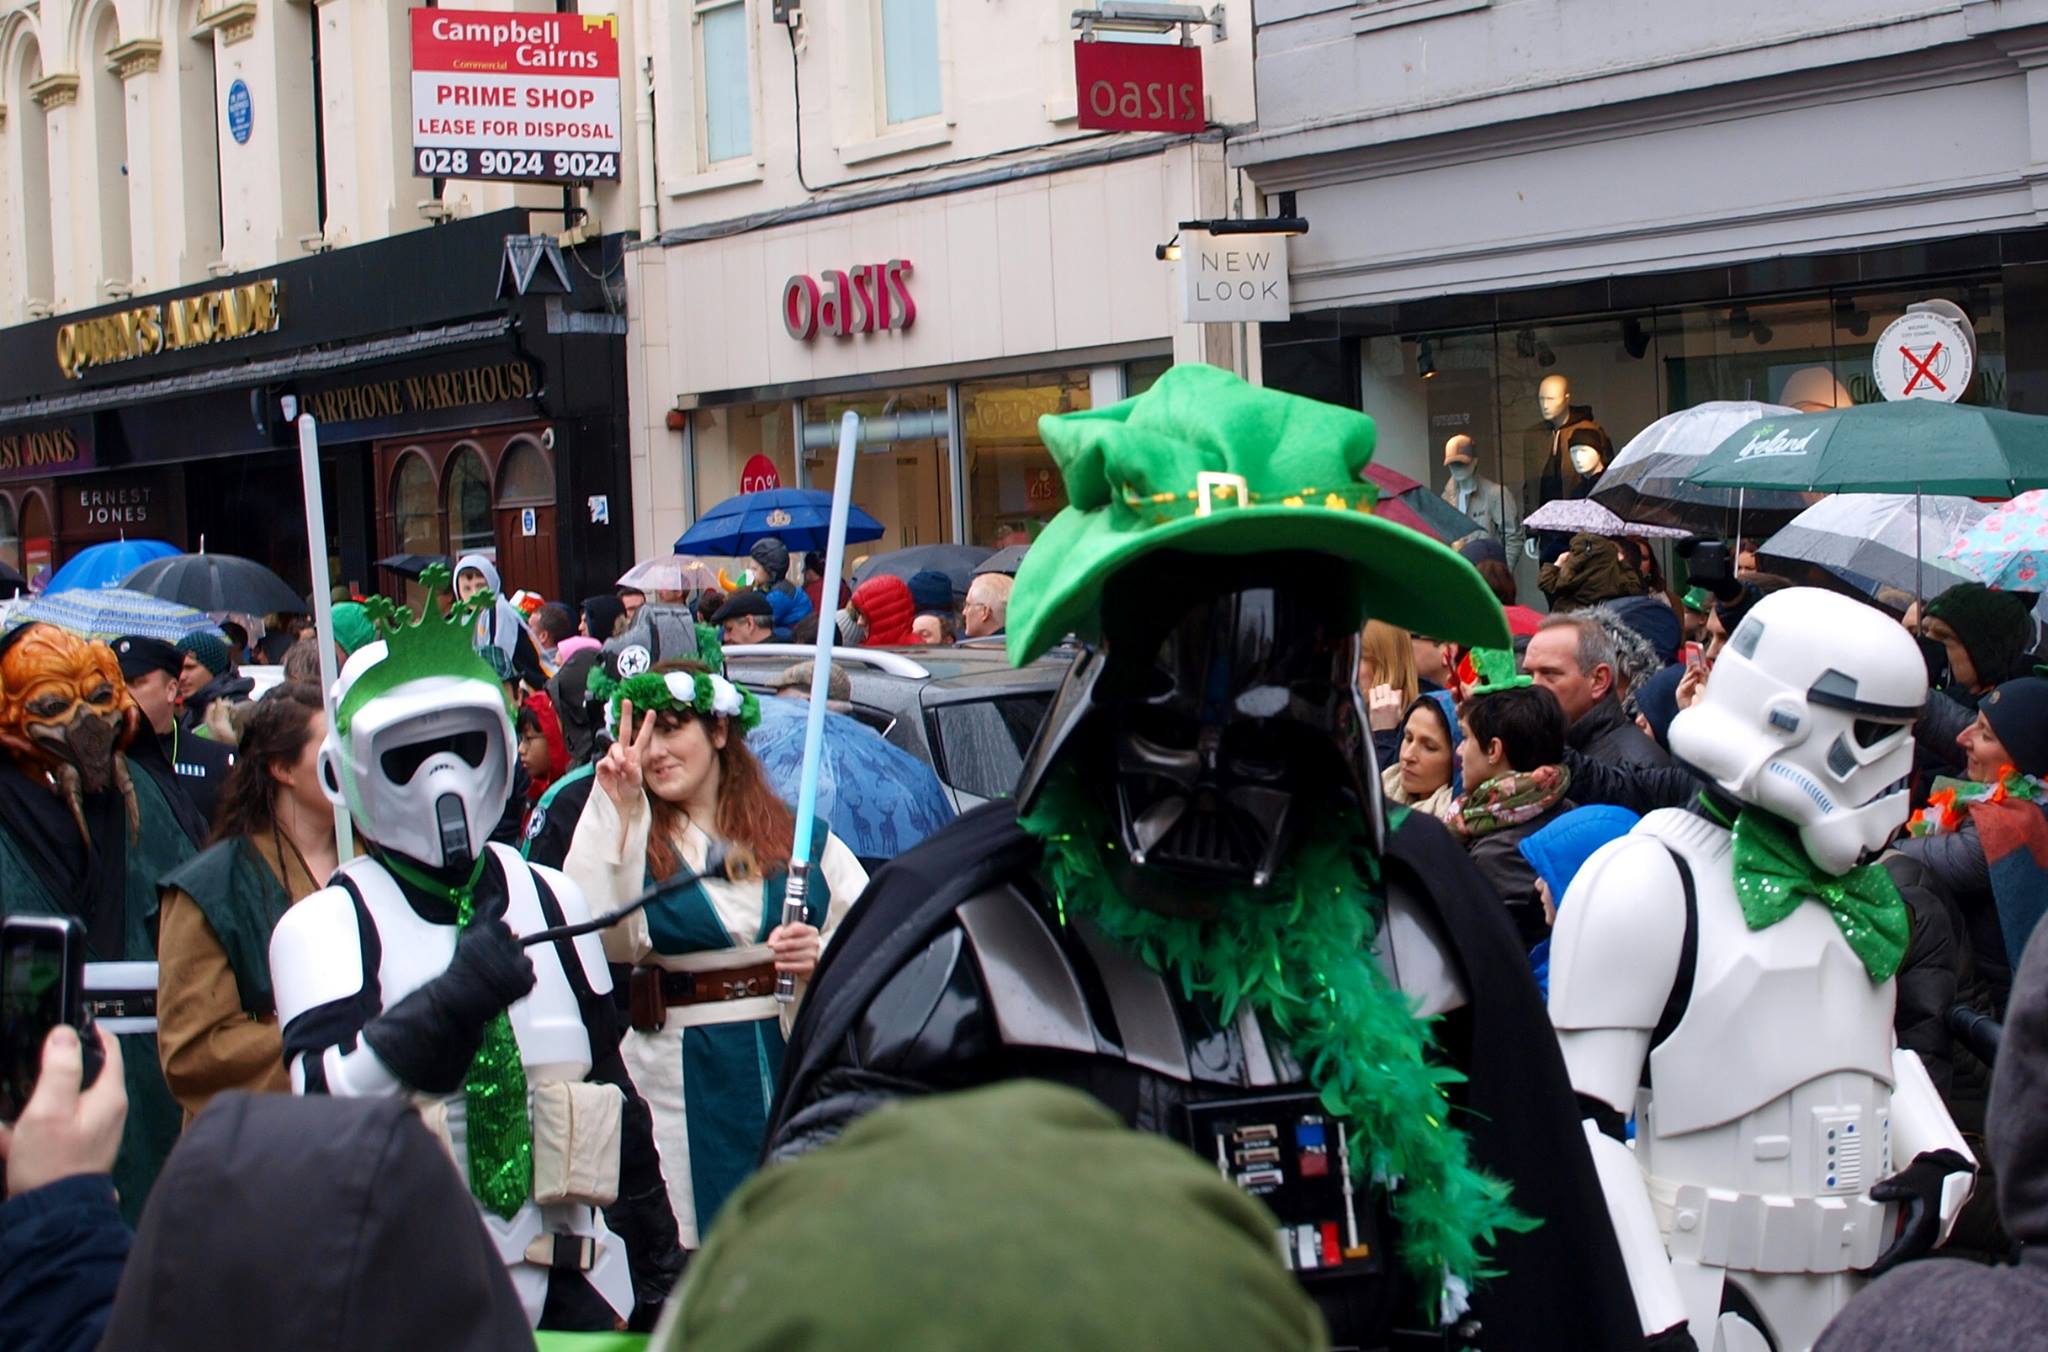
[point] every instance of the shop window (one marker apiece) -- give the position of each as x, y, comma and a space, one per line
469, 506
415, 518
36, 545
1013, 486
10, 536
110, 127
1140, 375
724, 79
910, 59
524, 476
32, 202
903, 484
754, 444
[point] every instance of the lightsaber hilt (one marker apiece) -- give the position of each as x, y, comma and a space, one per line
793, 913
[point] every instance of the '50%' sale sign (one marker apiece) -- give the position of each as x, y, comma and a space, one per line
1135, 86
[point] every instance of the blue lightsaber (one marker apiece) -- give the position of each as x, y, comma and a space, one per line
794, 895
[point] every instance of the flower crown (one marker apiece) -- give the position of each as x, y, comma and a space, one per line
693, 692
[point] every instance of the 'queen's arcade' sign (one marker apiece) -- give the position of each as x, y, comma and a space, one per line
871, 298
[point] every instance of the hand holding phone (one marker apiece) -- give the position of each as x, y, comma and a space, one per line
42, 984
67, 1129
1695, 656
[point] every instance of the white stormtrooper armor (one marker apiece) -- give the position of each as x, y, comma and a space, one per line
1760, 1067
425, 768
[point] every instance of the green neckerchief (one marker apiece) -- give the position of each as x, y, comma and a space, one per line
1773, 874
497, 1130
1300, 956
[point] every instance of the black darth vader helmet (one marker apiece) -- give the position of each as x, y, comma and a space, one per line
1220, 709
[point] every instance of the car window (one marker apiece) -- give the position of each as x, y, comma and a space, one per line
981, 743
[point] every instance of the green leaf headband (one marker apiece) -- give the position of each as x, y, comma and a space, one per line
699, 693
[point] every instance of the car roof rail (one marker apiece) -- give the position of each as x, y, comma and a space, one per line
893, 664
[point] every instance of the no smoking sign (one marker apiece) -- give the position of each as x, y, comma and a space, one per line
1921, 355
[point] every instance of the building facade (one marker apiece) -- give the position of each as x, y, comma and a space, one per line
1728, 202
888, 206
207, 206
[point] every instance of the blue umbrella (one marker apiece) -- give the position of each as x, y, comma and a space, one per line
799, 517
877, 797
108, 565
110, 612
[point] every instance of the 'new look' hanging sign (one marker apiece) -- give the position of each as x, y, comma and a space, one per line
1233, 278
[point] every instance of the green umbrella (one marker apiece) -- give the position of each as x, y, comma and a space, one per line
1909, 446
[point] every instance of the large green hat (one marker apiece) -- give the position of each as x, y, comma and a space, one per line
1204, 462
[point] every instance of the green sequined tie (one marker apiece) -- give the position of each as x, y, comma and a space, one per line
498, 1131
1773, 875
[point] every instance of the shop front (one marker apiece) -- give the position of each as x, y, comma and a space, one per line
954, 322
451, 420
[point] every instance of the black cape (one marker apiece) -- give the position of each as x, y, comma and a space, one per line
1562, 1286
90, 880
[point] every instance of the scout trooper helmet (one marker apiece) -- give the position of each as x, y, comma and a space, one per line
1809, 715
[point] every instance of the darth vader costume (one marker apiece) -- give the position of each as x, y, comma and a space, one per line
1199, 911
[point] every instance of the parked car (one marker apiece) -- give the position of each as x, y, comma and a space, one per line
964, 711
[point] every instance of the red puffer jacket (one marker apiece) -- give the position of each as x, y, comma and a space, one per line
884, 602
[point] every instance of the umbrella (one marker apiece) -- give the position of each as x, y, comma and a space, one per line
1871, 540
670, 572
957, 562
1410, 502
412, 565
11, 580
2007, 547
877, 797
1651, 480
1908, 446
217, 582
1569, 516
799, 517
109, 612
1005, 560
108, 565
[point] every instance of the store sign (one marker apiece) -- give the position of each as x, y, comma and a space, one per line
1233, 278
428, 392
759, 475
529, 97
109, 506
170, 326
47, 450
872, 298
1138, 86
1922, 355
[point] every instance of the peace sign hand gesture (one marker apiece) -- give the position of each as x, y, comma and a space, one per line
619, 774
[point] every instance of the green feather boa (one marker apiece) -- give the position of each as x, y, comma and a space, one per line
1301, 956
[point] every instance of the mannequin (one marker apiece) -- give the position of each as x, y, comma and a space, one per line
1490, 503
1576, 450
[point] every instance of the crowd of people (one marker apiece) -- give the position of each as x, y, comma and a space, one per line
565, 932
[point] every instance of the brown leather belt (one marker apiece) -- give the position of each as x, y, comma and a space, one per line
653, 991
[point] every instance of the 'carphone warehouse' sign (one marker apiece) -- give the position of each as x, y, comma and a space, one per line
533, 97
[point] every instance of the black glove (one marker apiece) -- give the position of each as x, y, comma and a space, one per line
429, 1038
1677, 1338
1918, 1187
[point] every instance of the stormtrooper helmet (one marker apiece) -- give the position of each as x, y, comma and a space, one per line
1809, 716
419, 749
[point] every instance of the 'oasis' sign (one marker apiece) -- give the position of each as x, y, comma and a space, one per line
871, 298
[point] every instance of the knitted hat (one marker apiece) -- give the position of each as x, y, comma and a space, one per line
1205, 463
1024, 1207
208, 647
773, 556
353, 627
1993, 626
1657, 700
139, 655
932, 591
2018, 713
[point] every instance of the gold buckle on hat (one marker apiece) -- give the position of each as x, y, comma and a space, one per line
1209, 480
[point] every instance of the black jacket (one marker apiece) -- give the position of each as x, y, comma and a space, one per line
1606, 734
61, 1250
1498, 856
318, 1224
856, 1046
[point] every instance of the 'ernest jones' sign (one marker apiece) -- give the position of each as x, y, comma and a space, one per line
530, 97
1233, 278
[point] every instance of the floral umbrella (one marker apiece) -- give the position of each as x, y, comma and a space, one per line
2009, 548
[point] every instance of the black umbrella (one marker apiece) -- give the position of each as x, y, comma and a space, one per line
216, 582
412, 565
12, 583
957, 562
1005, 560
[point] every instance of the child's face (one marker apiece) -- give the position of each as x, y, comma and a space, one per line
533, 754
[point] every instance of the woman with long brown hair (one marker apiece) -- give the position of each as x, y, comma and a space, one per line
272, 845
707, 1031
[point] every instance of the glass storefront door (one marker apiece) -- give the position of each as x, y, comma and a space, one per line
1013, 487
905, 485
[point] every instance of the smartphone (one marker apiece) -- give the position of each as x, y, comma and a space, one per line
42, 984
1695, 656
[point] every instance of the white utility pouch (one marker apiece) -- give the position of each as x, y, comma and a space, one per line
577, 1129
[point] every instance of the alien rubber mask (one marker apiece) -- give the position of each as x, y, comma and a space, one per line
66, 713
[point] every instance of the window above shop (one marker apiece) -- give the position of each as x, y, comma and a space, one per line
711, 89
